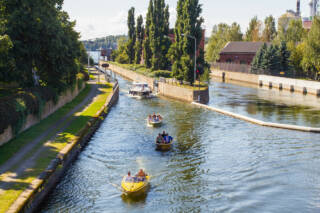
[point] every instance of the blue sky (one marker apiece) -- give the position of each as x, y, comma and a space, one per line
98, 18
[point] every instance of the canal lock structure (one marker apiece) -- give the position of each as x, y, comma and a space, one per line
217, 164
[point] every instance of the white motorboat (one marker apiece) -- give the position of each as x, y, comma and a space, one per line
140, 90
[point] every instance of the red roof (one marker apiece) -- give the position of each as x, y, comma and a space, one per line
242, 47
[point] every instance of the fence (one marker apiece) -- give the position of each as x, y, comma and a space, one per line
244, 68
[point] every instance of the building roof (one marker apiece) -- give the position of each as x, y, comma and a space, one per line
241, 47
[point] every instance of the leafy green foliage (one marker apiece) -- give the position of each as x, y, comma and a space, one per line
188, 25
131, 36
158, 32
108, 42
162, 73
269, 32
139, 41
221, 35
43, 41
253, 33
311, 59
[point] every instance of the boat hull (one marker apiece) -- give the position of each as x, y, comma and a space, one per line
135, 188
163, 146
155, 124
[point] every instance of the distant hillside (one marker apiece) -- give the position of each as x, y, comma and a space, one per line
108, 42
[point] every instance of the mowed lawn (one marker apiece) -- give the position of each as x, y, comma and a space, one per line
52, 148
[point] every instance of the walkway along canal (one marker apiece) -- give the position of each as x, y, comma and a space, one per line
218, 163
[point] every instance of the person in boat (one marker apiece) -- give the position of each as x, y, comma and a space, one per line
159, 117
150, 118
141, 175
160, 139
129, 174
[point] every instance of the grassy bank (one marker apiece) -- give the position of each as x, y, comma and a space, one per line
141, 69
52, 148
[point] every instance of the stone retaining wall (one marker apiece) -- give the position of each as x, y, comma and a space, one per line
281, 83
32, 197
49, 108
164, 89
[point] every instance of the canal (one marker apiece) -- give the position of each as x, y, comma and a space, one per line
218, 163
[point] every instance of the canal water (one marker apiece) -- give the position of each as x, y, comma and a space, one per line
217, 164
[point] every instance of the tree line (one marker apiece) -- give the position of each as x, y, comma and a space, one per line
149, 42
38, 37
108, 42
289, 48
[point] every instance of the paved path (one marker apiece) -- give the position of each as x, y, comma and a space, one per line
18, 164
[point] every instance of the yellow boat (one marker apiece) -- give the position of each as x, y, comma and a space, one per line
135, 185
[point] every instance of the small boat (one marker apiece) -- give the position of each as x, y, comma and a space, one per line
134, 186
155, 122
140, 91
164, 146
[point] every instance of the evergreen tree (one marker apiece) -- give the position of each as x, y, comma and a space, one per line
284, 56
139, 41
131, 36
256, 66
146, 44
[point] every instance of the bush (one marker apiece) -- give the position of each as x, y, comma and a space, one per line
162, 73
14, 109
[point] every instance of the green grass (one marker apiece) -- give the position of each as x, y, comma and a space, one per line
141, 69
9, 149
69, 135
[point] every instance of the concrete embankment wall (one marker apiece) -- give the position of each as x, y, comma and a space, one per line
49, 108
259, 122
32, 197
164, 89
281, 83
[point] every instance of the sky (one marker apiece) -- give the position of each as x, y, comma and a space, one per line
99, 18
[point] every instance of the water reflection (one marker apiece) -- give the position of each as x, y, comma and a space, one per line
267, 104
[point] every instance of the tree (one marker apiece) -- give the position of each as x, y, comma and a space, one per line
311, 58
43, 41
131, 35
188, 25
158, 32
221, 34
120, 54
254, 30
146, 44
284, 57
269, 32
256, 66
295, 32
139, 41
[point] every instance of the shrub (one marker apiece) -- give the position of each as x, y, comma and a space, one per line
162, 73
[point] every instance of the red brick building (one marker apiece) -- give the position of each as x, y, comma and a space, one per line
239, 52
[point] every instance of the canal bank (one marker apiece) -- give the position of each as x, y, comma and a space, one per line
63, 149
163, 87
272, 82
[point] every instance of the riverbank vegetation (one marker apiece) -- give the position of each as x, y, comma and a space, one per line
40, 58
290, 50
162, 50
71, 133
